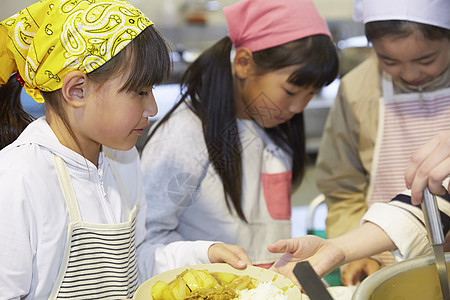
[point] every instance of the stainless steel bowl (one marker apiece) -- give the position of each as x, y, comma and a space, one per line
410, 279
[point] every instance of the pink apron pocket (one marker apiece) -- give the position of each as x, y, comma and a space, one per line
277, 192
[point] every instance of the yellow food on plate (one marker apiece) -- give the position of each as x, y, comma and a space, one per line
201, 284
256, 284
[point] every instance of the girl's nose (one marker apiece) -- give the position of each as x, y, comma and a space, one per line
409, 74
299, 105
151, 108
296, 107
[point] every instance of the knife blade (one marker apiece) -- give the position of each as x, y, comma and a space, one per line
436, 235
442, 270
311, 282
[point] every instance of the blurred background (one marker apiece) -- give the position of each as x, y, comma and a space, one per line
191, 26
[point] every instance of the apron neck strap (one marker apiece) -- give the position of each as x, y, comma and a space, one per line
69, 192
67, 188
387, 86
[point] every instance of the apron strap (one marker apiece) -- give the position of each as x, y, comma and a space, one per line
67, 188
387, 86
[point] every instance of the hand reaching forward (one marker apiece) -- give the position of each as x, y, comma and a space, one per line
322, 254
325, 255
231, 254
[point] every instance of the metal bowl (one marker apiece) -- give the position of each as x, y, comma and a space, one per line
410, 279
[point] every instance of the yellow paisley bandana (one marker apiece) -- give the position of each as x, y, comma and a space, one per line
51, 38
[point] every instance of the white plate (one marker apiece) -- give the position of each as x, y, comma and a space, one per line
338, 292
263, 275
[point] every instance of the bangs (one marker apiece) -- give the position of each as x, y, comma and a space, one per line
148, 61
320, 65
316, 56
403, 28
145, 60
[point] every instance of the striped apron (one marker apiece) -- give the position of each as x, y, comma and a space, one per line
99, 260
406, 122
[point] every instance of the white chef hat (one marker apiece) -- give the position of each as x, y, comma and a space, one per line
431, 12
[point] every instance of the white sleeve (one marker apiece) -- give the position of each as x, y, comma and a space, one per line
405, 225
174, 163
404, 229
154, 258
157, 258
17, 235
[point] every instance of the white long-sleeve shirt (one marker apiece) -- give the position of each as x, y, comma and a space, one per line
34, 219
187, 197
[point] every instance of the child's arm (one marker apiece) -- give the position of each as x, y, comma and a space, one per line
389, 226
325, 255
231, 254
18, 236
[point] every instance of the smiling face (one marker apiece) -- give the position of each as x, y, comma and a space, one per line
413, 59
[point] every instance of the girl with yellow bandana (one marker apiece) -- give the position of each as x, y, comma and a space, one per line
72, 209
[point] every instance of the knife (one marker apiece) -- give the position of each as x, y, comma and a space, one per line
434, 228
311, 282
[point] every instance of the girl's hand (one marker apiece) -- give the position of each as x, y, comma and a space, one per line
231, 254
428, 167
322, 254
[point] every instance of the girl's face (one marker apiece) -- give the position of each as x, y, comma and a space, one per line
413, 59
269, 99
116, 119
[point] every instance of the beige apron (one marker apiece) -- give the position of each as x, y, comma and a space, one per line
99, 260
406, 122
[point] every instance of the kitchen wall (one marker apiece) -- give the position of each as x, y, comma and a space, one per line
169, 11
197, 24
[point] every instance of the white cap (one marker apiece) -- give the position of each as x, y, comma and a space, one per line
431, 12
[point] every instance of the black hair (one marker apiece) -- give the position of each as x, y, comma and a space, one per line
147, 47
403, 28
13, 118
208, 85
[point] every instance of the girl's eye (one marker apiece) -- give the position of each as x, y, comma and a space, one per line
289, 93
141, 93
427, 62
389, 62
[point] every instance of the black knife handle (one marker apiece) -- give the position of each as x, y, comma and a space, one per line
311, 282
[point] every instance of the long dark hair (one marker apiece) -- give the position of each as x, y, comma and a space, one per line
208, 85
403, 28
13, 118
147, 47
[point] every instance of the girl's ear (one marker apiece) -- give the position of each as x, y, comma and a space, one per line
243, 62
74, 88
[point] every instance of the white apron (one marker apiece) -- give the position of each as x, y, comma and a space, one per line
406, 122
99, 259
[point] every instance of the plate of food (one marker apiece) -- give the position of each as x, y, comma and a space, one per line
218, 281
